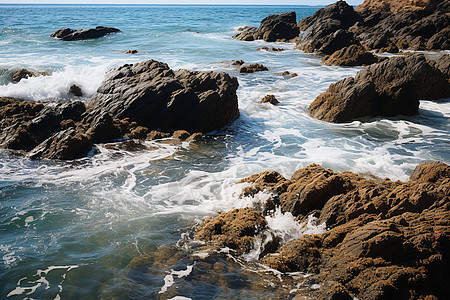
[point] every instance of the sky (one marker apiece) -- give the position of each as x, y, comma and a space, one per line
262, 2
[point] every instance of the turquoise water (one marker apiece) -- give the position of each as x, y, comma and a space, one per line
119, 224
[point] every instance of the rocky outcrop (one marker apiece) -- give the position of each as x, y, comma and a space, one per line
354, 55
269, 99
274, 28
327, 30
22, 74
152, 95
252, 68
75, 90
68, 34
392, 87
396, 6
384, 240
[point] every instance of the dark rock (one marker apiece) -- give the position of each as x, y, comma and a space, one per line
130, 145
181, 135
287, 73
270, 49
154, 96
351, 56
235, 229
269, 99
157, 135
103, 128
22, 74
239, 62
83, 34
443, 65
392, 87
278, 27
253, 68
131, 52
75, 90
68, 144
196, 137
139, 132
327, 30
389, 6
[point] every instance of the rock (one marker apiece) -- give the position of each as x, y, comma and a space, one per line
287, 73
235, 229
239, 62
130, 145
274, 28
22, 74
269, 99
270, 49
181, 135
83, 34
391, 6
68, 144
354, 55
103, 128
27, 135
392, 87
385, 239
75, 90
157, 135
443, 65
131, 52
253, 68
327, 30
196, 137
139, 132
154, 96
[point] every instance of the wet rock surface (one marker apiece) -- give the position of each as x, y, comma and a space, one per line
269, 99
134, 100
392, 87
68, 34
274, 28
354, 55
252, 68
154, 96
385, 239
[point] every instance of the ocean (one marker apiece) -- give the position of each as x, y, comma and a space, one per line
119, 225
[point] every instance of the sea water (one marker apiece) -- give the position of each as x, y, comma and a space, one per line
113, 225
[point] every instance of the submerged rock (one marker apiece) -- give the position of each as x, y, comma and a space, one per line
392, 87
385, 239
269, 99
274, 28
270, 49
22, 74
75, 90
252, 68
68, 34
154, 96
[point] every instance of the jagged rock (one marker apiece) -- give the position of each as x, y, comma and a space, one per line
287, 73
196, 137
239, 62
131, 52
157, 135
392, 87
22, 74
103, 127
67, 144
68, 34
253, 68
327, 30
269, 99
27, 135
139, 132
396, 6
181, 135
274, 28
75, 90
270, 49
235, 229
384, 240
354, 55
154, 96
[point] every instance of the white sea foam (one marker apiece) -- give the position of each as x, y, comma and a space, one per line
169, 279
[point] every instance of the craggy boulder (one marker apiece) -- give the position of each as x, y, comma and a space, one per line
235, 229
68, 34
354, 55
327, 30
154, 96
274, 28
392, 87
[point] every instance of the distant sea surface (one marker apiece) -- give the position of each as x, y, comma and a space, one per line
118, 225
